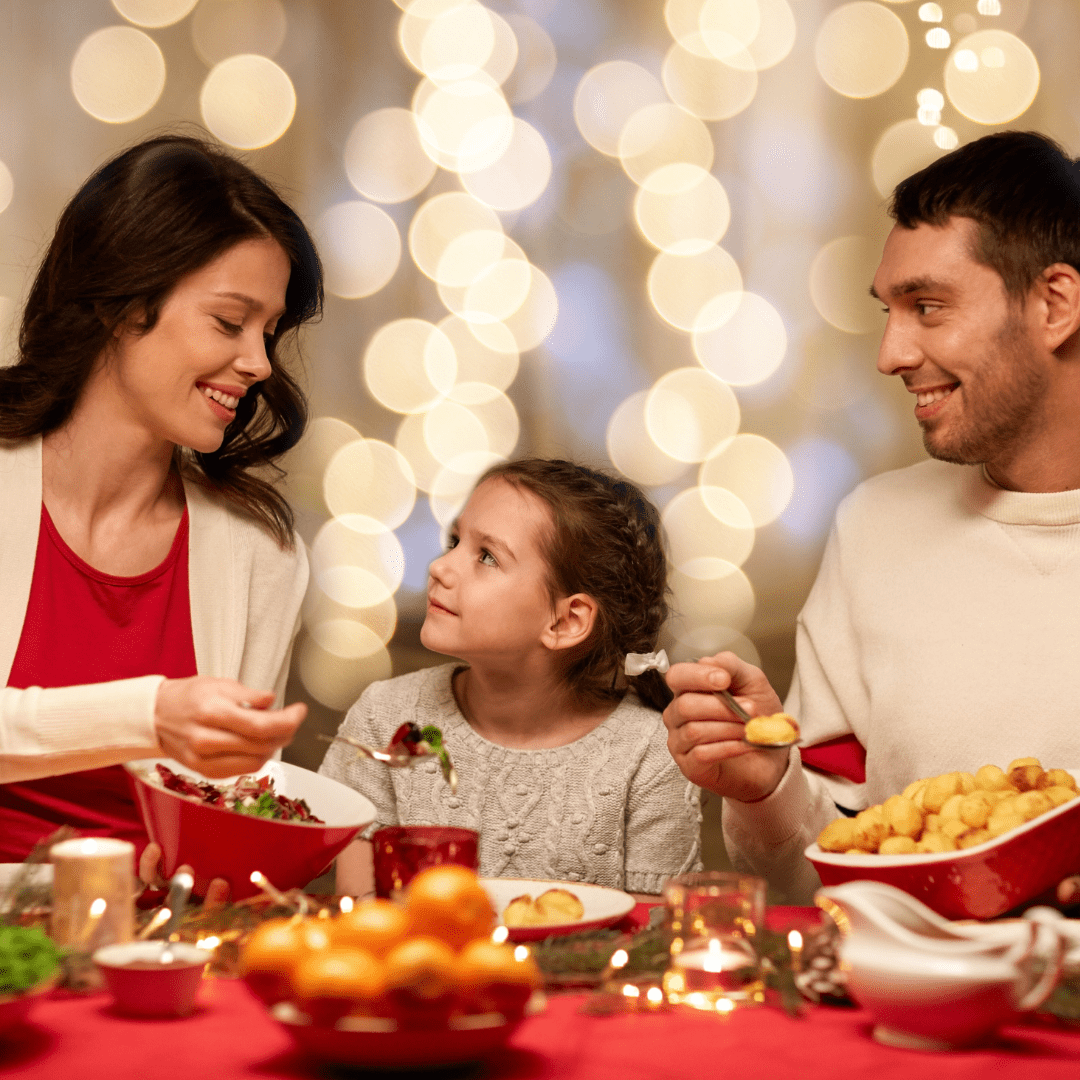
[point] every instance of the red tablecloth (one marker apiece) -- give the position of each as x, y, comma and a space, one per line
233, 1038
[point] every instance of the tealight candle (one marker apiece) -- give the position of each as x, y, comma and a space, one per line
93, 892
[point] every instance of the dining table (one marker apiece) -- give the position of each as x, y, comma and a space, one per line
232, 1036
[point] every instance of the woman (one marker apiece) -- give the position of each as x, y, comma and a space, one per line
151, 576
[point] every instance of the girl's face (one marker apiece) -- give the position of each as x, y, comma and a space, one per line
488, 595
182, 380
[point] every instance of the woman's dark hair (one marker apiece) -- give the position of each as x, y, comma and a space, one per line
606, 541
155, 213
1020, 187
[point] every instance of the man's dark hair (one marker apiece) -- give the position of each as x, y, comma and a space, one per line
1020, 187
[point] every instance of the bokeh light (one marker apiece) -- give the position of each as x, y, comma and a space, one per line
306, 462
410, 441
707, 523
840, 278
536, 60
709, 590
992, 77
468, 257
370, 478
7, 187
748, 347
530, 323
154, 13
659, 135
380, 618
695, 292
247, 101
709, 88
384, 158
224, 28
754, 469
117, 74
455, 44
519, 176
409, 365
861, 49
331, 674
632, 450
478, 362
607, 96
688, 642
442, 220
356, 561
690, 412
775, 37
464, 125
360, 248
495, 413
682, 209
903, 149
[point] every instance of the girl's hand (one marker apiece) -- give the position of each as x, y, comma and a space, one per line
705, 738
217, 894
219, 727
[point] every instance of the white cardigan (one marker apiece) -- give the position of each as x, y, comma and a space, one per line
245, 596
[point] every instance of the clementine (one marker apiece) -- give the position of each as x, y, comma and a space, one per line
375, 925
332, 982
448, 902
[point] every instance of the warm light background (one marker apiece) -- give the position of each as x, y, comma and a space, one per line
632, 233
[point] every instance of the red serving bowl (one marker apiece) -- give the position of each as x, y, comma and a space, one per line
222, 843
978, 882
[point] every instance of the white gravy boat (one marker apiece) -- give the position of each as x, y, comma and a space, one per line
937, 985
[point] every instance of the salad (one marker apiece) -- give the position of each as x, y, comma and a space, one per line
252, 795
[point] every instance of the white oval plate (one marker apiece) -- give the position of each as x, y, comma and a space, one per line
603, 906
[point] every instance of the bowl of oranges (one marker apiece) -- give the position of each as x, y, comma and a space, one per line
968, 845
356, 989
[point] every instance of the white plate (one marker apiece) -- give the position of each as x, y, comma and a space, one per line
602, 906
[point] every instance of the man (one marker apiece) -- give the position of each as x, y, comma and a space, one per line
942, 630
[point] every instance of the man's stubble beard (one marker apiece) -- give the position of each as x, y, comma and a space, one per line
999, 415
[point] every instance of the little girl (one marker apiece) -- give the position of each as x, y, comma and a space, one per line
552, 574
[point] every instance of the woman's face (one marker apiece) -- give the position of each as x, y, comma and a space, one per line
183, 379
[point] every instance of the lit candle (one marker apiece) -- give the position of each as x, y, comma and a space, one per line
93, 892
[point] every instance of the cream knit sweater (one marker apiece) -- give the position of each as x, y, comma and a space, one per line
245, 596
942, 631
610, 808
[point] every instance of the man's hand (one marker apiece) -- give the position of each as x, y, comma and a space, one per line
219, 727
705, 738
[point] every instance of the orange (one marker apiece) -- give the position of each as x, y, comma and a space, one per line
375, 925
332, 982
274, 949
448, 902
421, 980
492, 979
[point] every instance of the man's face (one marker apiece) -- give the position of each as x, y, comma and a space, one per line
961, 345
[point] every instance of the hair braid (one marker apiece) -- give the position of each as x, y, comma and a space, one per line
607, 542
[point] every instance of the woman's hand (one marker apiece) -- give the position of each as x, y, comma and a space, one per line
219, 727
705, 738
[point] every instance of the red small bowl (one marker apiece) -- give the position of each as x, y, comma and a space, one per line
222, 843
978, 882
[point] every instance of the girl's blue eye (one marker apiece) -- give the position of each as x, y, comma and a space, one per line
487, 558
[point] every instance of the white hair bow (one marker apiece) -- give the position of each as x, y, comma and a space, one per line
637, 662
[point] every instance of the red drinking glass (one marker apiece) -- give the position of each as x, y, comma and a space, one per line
402, 851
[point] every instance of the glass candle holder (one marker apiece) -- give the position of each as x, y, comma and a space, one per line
93, 892
715, 918
402, 851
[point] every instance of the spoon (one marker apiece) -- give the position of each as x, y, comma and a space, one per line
745, 717
406, 746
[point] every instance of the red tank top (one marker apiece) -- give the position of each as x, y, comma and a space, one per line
83, 626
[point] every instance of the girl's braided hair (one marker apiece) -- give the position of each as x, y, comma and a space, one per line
607, 542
